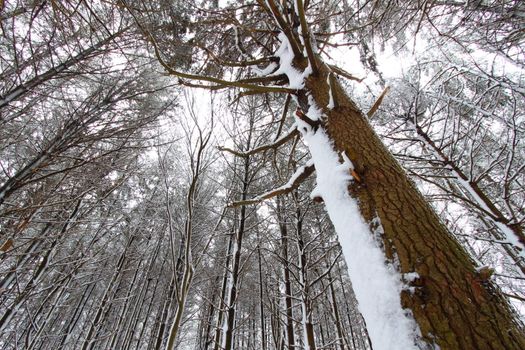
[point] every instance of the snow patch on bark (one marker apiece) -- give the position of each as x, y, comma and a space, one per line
266, 71
410, 276
331, 103
377, 285
286, 56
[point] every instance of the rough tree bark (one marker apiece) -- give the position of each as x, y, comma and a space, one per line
453, 306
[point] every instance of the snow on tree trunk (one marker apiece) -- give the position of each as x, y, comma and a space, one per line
377, 286
366, 192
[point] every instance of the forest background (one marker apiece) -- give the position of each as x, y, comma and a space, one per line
162, 183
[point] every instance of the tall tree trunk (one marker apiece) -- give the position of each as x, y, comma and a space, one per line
287, 282
349, 312
453, 306
162, 322
275, 324
236, 264
342, 339
227, 340
261, 303
127, 304
306, 302
224, 291
22, 261
140, 299
76, 315
147, 313
38, 273
181, 304
46, 320
109, 292
206, 335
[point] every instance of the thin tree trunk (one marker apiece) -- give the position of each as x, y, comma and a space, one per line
77, 314
23, 260
308, 329
335, 309
95, 322
45, 322
125, 308
206, 339
147, 314
164, 316
224, 290
181, 304
227, 341
234, 281
141, 297
261, 303
348, 312
39, 271
287, 282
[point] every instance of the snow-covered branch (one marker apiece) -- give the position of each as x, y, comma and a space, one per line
220, 82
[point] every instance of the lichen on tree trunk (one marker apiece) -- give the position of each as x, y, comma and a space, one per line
452, 305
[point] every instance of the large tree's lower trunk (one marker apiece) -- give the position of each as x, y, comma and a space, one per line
453, 306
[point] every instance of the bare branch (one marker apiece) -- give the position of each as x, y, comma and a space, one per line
306, 37
237, 64
378, 102
343, 73
281, 141
297, 178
